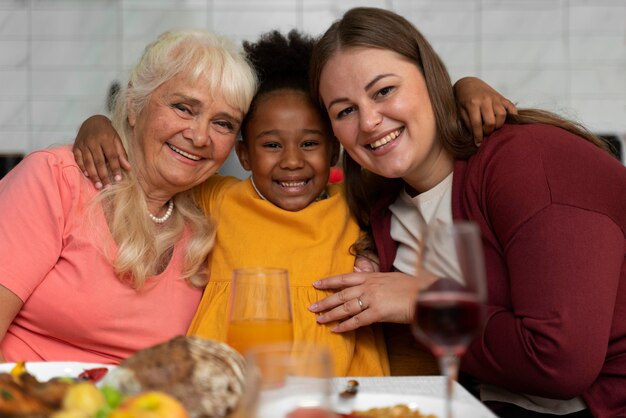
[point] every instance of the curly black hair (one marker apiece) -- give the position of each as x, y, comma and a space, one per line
281, 63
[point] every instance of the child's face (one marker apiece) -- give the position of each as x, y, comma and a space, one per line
288, 149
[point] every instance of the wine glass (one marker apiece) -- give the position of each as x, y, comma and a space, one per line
259, 308
450, 311
294, 380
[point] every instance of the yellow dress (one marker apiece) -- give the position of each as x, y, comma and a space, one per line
311, 244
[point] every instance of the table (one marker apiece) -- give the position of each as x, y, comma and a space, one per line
424, 392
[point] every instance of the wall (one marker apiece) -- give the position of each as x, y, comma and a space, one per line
58, 57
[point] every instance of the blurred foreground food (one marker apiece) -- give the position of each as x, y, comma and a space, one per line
186, 377
207, 376
23, 396
397, 411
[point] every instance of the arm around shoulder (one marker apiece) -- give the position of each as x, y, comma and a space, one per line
99, 152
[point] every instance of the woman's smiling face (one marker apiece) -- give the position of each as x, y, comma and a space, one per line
381, 113
182, 135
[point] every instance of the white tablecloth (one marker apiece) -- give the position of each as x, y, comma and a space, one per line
420, 386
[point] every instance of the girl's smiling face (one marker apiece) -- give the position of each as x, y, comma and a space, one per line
381, 112
289, 149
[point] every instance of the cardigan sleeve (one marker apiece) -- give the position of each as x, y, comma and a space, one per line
554, 247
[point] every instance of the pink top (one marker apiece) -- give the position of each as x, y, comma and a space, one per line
51, 257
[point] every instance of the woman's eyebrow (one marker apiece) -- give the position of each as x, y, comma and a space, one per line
376, 79
185, 97
366, 88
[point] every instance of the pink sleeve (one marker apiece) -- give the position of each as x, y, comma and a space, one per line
32, 222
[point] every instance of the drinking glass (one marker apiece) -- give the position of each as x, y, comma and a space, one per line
294, 381
449, 312
259, 308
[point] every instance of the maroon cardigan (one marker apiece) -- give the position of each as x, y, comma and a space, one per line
552, 212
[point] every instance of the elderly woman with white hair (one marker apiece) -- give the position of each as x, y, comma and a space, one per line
95, 276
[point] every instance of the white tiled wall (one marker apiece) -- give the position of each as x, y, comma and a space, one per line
58, 57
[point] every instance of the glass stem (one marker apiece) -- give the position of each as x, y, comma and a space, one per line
449, 366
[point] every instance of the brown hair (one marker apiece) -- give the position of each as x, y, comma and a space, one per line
383, 29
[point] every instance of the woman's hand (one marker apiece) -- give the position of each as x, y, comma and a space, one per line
366, 298
482, 108
99, 152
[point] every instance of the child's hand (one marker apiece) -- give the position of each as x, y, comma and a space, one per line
482, 108
99, 152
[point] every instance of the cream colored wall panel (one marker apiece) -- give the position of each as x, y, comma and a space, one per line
71, 4
59, 56
253, 6
14, 85
509, 53
75, 24
130, 55
72, 54
527, 24
146, 25
601, 115
599, 82
14, 54
14, 141
67, 83
344, 5
449, 19
240, 26
529, 87
585, 18
315, 22
13, 24
455, 53
44, 138
313, 5
63, 114
14, 114
598, 48
164, 4
13, 4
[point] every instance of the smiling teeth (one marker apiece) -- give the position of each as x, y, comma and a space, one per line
183, 153
386, 139
292, 183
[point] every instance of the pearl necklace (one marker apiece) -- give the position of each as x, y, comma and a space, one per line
168, 213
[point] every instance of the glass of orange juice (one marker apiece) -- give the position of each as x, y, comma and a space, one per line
260, 308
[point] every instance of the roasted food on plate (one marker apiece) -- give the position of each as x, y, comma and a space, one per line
397, 411
206, 376
21, 395
14, 402
183, 377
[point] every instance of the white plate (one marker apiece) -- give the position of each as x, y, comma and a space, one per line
425, 404
47, 370
364, 400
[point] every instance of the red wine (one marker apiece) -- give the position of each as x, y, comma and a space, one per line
447, 321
